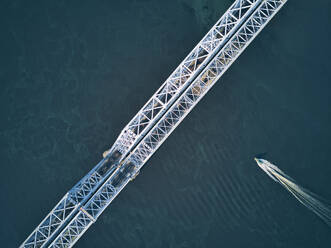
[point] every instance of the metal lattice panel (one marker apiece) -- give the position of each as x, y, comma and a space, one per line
154, 122
185, 103
160, 101
205, 80
84, 188
82, 221
69, 236
64, 210
51, 223
185, 73
100, 200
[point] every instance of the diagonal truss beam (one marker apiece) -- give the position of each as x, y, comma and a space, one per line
192, 65
165, 126
184, 74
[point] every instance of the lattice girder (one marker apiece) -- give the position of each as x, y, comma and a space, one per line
184, 74
70, 235
155, 121
181, 107
207, 78
51, 223
65, 209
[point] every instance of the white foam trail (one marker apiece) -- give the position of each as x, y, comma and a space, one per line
307, 198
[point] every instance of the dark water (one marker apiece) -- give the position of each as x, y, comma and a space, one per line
73, 73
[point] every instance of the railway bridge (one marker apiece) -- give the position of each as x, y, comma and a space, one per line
150, 127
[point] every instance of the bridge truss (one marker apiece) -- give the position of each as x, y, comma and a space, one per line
164, 111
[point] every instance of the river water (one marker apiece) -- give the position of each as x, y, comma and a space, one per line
73, 73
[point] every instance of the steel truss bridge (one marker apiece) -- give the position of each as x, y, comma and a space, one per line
151, 126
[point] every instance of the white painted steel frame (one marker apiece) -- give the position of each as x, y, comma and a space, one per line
192, 65
63, 211
183, 75
165, 126
203, 83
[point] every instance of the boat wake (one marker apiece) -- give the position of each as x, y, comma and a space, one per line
306, 197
